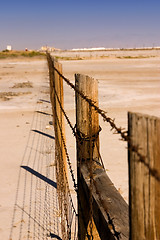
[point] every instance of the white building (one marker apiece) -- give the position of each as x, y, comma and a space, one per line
89, 49
9, 47
46, 48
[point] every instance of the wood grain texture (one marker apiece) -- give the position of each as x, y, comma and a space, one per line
144, 188
89, 86
59, 118
87, 125
107, 203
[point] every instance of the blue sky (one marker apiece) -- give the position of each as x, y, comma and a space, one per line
77, 24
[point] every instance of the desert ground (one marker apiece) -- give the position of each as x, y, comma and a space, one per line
128, 81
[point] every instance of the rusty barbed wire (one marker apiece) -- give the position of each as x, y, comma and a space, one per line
90, 138
66, 204
117, 130
64, 145
65, 191
79, 136
68, 159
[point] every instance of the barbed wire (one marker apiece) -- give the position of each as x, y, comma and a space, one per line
77, 135
64, 185
82, 137
117, 130
67, 155
65, 147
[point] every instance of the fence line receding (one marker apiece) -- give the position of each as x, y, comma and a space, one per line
101, 212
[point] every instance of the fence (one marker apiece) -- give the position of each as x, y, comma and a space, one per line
102, 212
36, 211
67, 209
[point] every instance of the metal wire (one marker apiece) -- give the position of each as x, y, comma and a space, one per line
117, 130
31, 217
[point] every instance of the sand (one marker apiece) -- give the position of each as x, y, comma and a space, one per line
16, 114
125, 84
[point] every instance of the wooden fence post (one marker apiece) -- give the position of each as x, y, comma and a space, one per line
56, 95
144, 185
51, 82
86, 125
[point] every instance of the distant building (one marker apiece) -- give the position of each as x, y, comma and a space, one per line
9, 47
49, 49
89, 49
46, 48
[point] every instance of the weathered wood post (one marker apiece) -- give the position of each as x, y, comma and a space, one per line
51, 82
57, 101
87, 125
56, 95
144, 177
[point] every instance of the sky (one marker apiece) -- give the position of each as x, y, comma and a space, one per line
68, 24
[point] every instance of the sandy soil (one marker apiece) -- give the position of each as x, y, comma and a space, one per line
17, 108
124, 85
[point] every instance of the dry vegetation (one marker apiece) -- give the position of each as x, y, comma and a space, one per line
64, 58
23, 85
134, 57
70, 58
14, 54
5, 96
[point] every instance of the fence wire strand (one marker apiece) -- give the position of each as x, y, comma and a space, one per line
54, 71
116, 130
67, 209
35, 214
